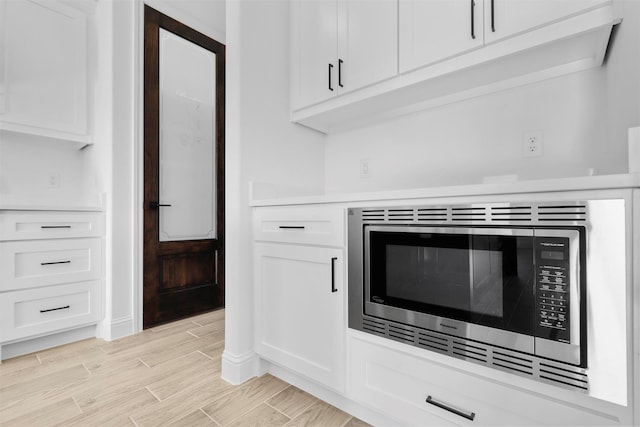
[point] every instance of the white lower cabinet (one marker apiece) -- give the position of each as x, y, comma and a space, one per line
50, 274
418, 392
300, 320
39, 311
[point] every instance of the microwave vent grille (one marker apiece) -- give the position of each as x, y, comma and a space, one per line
562, 212
489, 214
400, 214
468, 351
468, 214
433, 342
374, 327
373, 214
400, 333
432, 215
510, 362
517, 214
564, 376
521, 364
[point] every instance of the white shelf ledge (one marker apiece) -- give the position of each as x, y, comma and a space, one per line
567, 46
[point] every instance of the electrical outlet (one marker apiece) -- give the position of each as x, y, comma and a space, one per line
53, 180
364, 168
532, 143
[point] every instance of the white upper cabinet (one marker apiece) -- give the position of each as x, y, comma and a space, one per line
368, 42
340, 45
447, 51
43, 69
506, 18
434, 30
314, 38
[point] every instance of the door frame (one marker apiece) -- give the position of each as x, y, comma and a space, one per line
137, 152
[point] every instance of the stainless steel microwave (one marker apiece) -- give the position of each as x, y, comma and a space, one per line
503, 284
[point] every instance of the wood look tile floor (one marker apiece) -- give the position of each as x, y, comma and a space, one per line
169, 375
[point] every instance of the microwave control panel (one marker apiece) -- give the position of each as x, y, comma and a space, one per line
552, 288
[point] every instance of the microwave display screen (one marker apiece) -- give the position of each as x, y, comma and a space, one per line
552, 255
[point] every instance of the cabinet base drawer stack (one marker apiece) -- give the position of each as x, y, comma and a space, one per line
50, 273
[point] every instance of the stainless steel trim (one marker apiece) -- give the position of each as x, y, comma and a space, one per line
476, 231
494, 336
606, 222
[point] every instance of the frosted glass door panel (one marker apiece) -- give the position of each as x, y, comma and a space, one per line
187, 140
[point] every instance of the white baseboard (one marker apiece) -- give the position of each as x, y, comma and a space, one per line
237, 369
15, 349
332, 397
117, 328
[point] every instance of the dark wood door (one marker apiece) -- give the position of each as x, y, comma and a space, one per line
182, 275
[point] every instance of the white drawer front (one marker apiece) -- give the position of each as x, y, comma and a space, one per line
399, 384
309, 226
34, 263
39, 311
25, 225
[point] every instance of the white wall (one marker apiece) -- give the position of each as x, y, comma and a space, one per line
584, 119
26, 161
261, 145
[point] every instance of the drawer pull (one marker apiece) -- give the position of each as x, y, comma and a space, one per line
473, 29
469, 416
55, 309
56, 262
333, 274
54, 226
292, 227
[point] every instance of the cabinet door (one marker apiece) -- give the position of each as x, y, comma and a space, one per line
43, 76
504, 18
300, 320
313, 51
368, 42
434, 30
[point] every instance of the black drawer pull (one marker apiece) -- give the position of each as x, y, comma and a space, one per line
473, 21
54, 226
470, 416
333, 274
493, 17
330, 70
56, 262
292, 227
55, 309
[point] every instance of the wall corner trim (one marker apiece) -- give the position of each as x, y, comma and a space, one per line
117, 328
236, 369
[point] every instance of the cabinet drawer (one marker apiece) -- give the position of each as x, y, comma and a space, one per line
27, 264
50, 225
38, 311
399, 384
309, 226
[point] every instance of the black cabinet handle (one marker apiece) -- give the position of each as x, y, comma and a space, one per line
330, 69
473, 21
333, 274
55, 309
493, 17
56, 262
54, 226
340, 62
469, 416
292, 227
156, 205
